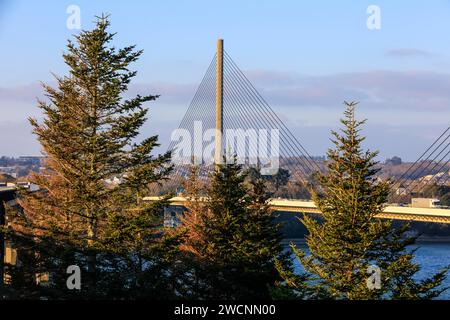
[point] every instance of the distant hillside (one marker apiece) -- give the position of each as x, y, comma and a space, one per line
6, 178
424, 169
389, 169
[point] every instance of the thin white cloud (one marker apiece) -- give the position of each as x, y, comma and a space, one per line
408, 53
412, 102
383, 89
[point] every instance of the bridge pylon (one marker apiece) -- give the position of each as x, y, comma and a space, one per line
219, 103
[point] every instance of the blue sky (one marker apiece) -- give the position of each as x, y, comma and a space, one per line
306, 58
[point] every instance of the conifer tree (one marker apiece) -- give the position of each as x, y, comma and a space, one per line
349, 239
89, 135
192, 221
232, 238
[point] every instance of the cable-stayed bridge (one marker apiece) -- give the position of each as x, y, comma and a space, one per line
430, 169
227, 116
436, 215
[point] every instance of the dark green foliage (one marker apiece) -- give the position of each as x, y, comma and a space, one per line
234, 251
89, 135
350, 238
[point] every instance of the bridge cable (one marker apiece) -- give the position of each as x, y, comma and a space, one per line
404, 175
272, 118
257, 115
271, 112
422, 169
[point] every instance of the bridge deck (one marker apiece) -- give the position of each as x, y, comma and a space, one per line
7, 189
436, 215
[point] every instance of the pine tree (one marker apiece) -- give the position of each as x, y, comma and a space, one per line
191, 230
232, 238
192, 221
348, 238
89, 136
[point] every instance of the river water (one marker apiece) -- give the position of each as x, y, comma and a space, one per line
430, 256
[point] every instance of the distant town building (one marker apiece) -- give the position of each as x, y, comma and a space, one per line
114, 181
401, 190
